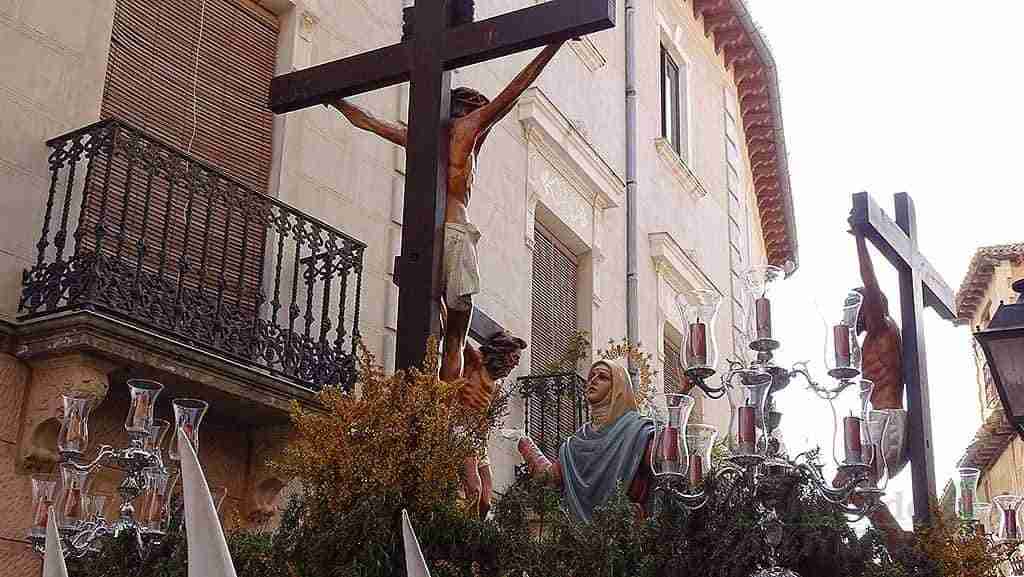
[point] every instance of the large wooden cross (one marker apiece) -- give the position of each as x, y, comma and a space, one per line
425, 60
920, 286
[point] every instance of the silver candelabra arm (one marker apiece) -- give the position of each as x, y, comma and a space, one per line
822, 391
105, 452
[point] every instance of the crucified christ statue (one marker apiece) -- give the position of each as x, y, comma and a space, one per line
882, 348
472, 117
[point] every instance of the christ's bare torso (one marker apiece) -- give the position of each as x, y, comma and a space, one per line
464, 145
883, 365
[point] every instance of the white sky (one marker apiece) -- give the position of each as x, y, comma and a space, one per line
922, 96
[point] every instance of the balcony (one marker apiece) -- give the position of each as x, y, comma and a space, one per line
555, 407
138, 231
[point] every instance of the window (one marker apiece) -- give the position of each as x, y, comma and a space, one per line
557, 408
672, 95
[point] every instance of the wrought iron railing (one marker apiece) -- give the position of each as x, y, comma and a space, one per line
137, 229
555, 407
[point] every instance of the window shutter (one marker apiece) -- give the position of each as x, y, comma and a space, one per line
150, 80
187, 209
551, 416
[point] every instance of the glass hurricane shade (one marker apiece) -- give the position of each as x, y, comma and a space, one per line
73, 436
669, 454
749, 417
72, 507
143, 394
967, 493
44, 488
759, 281
699, 310
842, 348
1008, 506
700, 441
188, 414
152, 513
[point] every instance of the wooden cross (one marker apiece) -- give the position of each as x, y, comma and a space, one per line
920, 286
425, 60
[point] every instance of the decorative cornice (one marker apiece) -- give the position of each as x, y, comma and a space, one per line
547, 127
979, 276
588, 53
677, 265
687, 178
737, 38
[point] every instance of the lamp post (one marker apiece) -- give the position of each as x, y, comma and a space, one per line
1003, 344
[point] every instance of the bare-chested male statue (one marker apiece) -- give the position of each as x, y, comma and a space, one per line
472, 117
883, 348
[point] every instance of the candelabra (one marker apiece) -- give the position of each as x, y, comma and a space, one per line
861, 435
145, 478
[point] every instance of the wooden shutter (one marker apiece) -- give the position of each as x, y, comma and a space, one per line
552, 417
187, 210
151, 78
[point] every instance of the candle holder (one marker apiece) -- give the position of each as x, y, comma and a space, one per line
699, 310
760, 280
966, 492
748, 418
1008, 505
983, 516
188, 414
143, 395
73, 436
80, 518
842, 349
700, 440
668, 459
44, 488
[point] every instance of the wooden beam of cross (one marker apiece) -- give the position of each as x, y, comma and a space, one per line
920, 286
425, 60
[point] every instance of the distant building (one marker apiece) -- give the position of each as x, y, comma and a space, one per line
996, 449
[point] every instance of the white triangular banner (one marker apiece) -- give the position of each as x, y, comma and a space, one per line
415, 564
53, 562
208, 554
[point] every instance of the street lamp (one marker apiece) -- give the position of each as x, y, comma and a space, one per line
1003, 344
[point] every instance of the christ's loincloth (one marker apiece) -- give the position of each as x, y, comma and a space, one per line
461, 265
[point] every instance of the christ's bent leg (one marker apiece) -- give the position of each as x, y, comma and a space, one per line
472, 486
486, 486
456, 332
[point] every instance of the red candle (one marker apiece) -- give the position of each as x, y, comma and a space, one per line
696, 470
851, 427
967, 503
669, 450
73, 504
763, 309
698, 344
841, 335
1010, 522
747, 435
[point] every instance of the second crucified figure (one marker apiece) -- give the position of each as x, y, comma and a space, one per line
472, 117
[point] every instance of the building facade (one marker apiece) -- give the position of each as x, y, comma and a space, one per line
162, 224
996, 449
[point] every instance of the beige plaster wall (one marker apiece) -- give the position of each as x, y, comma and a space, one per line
53, 56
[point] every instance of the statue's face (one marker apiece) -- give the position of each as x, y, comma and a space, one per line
503, 365
599, 384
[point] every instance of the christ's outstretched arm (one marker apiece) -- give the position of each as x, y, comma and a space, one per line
874, 311
489, 115
360, 118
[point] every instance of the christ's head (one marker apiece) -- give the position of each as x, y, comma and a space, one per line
501, 354
465, 100
861, 326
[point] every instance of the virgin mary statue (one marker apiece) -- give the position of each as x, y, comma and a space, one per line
613, 448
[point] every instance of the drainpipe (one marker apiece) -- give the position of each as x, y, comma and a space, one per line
632, 307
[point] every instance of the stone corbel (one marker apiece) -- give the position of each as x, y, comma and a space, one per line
40, 423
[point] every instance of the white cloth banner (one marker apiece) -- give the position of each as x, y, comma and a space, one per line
53, 562
415, 564
208, 554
